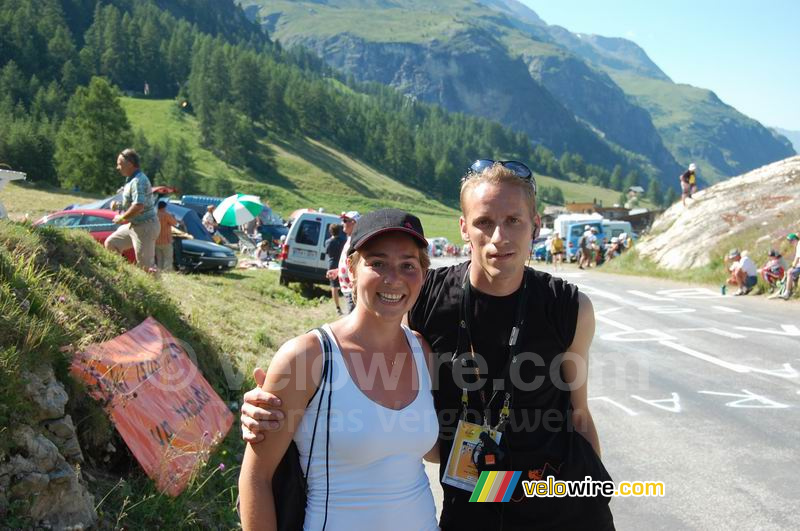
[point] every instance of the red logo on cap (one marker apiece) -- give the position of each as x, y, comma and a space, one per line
408, 225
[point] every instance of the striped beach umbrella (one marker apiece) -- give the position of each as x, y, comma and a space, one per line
237, 210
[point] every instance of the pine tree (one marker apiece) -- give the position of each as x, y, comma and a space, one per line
670, 197
95, 130
615, 181
654, 192
632, 179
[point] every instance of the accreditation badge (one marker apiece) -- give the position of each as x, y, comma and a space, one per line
461, 471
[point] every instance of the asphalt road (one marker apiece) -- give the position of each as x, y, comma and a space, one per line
699, 391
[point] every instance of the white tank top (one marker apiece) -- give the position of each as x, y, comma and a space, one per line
375, 473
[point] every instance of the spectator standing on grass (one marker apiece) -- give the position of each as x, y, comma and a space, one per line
139, 226
744, 273
164, 252
333, 250
793, 271
349, 220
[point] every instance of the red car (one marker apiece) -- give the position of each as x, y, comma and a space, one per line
98, 222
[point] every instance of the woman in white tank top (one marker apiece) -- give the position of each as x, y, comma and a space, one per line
370, 474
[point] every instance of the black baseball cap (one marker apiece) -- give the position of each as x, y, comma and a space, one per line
383, 221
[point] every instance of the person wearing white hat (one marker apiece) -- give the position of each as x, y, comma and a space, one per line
688, 183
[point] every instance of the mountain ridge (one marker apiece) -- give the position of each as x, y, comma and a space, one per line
667, 139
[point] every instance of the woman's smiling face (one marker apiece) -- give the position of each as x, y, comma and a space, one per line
388, 276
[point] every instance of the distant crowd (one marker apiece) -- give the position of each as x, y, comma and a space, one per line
592, 250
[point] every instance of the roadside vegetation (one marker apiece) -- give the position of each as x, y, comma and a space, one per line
61, 291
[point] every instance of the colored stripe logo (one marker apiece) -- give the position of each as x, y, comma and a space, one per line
495, 486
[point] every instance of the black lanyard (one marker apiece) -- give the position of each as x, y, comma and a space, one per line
465, 329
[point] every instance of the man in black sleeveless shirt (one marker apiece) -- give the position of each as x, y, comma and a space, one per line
549, 430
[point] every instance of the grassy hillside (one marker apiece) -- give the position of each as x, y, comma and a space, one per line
696, 126
59, 292
415, 22
311, 174
59, 288
306, 173
32, 201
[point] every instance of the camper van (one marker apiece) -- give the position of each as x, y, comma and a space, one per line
572, 226
303, 257
613, 228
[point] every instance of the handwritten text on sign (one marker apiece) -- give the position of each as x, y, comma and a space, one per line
167, 413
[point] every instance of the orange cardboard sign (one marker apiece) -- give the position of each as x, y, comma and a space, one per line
167, 413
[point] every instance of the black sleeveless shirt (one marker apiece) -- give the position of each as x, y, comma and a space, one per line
539, 439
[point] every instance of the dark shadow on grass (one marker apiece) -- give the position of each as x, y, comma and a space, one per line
326, 162
313, 291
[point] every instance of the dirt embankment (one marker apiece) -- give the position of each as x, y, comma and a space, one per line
752, 209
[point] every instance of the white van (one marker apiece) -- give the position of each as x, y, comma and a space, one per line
613, 228
303, 253
6, 176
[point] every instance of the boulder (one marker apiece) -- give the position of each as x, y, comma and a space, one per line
38, 472
46, 392
765, 200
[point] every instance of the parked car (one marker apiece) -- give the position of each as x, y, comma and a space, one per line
303, 257
271, 229
539, 250
195, 254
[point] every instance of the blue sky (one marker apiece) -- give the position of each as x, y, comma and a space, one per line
746, 51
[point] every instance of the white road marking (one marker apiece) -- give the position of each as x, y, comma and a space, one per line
647, 334
788, 330
766, 403
630, 412
610, 322
786, 372
648, 296
666, 309
712, 330
675, 401
706, 357
726, 309
591, 290
607, 310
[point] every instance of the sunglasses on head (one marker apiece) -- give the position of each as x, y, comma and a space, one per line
517, 168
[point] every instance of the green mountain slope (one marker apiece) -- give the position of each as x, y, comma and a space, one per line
621, 101
453, 54
698, 127
307, 173
311, 174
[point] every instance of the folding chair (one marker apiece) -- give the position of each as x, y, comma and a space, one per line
246, 244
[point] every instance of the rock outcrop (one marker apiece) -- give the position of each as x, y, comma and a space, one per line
43, 468
766, 199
